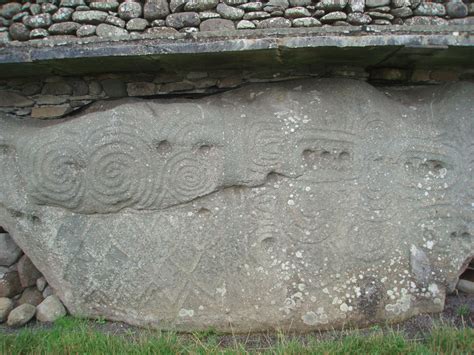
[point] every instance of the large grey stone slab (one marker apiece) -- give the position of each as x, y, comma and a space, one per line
304, 204
280, 49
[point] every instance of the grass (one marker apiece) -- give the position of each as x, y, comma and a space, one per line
75, 336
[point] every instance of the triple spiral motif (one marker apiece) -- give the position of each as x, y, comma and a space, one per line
116, 168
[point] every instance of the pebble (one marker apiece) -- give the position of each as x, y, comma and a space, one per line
155, 9
430, 9
10, 9
306, 22
19, 32
38, 33
334, 16
116, 21
217, 25
200, 5
137, 24
92, 17
183, 19
21, 315
64, 28
376, 3
332, 5
229, 12
129, 10
296, 12
6, 305
9, 251
357, 18
456, 9
402, 12
465, 286
275, 22
50, 310
245, 25
27, 272
38, 21
109, 31
63, 14
256, 15
104, 5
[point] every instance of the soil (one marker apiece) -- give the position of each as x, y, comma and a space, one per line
458, 312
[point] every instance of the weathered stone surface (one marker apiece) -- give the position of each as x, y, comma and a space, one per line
256, 15
72, 3
426, 20
334, 16
274, 22
38, 33
41, 284
356, 5
48, 8
110, 31
331, 5
141, 89
128, 10
217, 25
9, 10
10, 98
465, 286
92, 17
245, 25
64, 28
86, 31
229, 12
9, 251
9, 283
308, 203
19, 32
456, 9
357, 18
305, 22
38, 21
161, 30
6, 305
200, 5
54, 111
63, 14
376, 3
31, 295
430, 9
183, 19
297, 12
155, 9
27, 272
21, 315
50, 310
104, 5
402, 12
137, 24
116, 21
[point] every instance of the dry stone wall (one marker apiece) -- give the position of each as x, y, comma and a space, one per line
24, 292
24, 20
57, 96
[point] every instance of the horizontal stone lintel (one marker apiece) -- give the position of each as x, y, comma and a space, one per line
414, 47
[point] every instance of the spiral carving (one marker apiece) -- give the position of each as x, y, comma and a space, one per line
265, 145
57, 173
121, 173
189, 176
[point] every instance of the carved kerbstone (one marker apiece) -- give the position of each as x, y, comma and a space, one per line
305, 203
